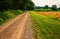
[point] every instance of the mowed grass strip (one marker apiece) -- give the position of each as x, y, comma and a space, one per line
45, 27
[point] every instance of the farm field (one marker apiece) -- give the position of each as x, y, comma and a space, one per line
45, 27
55, 15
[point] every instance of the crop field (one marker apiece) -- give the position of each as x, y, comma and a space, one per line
45, 27
51, 14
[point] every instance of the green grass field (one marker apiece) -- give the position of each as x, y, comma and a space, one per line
45, 27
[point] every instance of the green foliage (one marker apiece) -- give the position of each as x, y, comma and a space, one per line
16, 4
1, 19
44, 27
46, 7
54, 8
6, 15
28, 5
59, 8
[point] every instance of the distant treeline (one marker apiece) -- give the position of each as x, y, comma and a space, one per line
54, 7
16, 4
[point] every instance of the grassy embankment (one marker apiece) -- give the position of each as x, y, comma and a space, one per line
44, 27
7, 15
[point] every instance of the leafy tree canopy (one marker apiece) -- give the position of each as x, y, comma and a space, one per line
16, 4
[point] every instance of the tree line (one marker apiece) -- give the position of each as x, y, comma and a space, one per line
16, 4
54, 7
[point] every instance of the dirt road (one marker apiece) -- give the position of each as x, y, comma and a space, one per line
17, 28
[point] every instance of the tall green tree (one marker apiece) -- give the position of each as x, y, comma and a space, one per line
16, 4
46, 7
54, 7
27, 4
59, 8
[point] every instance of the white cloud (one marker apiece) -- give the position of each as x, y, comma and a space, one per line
46, 2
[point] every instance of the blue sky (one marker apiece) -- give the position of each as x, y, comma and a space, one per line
46, 2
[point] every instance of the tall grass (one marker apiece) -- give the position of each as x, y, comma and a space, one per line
6, 15
45, 27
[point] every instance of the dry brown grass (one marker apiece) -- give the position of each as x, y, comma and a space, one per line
51, 14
